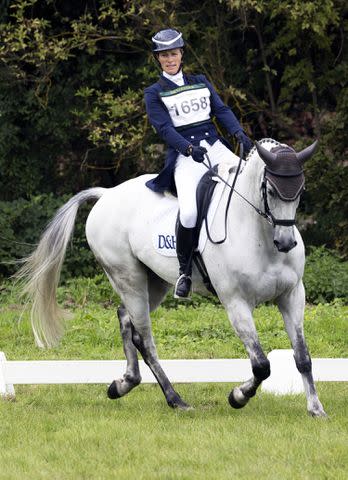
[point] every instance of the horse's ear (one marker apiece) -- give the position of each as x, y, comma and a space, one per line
267, 156
307, 152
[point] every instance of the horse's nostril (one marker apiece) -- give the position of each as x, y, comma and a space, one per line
284, 247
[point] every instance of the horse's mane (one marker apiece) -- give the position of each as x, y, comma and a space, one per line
267, 143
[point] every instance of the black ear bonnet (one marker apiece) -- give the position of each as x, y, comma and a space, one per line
285, 173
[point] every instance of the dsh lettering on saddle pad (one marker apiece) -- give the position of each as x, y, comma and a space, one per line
164, 218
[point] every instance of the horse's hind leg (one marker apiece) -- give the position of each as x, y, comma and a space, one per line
144, 343
157, 290
292, 307
143, 339
131, 282
132, 377
243, 323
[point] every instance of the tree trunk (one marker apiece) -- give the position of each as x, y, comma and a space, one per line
266, 67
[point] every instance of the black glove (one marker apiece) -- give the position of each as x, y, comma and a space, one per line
244, 140
197, 153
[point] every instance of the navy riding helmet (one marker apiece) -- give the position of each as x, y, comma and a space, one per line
167, 40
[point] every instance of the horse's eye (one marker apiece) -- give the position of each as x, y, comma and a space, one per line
271, 192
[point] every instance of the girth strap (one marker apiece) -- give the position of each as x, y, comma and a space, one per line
199, 262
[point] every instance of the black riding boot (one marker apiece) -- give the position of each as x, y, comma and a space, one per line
184, 247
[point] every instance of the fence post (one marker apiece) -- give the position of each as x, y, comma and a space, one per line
7, 391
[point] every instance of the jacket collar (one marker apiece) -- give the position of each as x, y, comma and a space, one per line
168, 84
178, 78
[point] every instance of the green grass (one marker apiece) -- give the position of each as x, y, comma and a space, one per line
75, 432
201, 332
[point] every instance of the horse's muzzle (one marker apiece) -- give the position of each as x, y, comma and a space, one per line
284, 238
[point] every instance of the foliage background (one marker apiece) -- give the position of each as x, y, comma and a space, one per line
72, 116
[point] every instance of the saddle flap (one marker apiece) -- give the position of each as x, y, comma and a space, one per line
163, 221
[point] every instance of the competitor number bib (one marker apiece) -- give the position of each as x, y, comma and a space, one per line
188, 104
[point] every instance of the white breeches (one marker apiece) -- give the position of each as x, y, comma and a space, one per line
188, 174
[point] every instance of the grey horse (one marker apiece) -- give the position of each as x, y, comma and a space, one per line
262, 260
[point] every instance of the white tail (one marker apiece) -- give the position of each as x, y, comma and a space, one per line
41, 270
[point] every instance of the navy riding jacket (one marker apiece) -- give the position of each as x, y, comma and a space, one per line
178, 140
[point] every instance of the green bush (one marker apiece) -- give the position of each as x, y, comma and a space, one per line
72, 76
23, 221
326, 276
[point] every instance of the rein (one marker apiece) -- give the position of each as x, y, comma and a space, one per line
266, 214
241, 150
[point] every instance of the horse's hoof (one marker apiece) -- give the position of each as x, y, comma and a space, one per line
237, 399
315, 409
185, 407
318, 414
179, 404
113, 391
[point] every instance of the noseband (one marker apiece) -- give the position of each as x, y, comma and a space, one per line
267, 214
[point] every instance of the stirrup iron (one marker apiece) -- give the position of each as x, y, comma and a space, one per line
183, 287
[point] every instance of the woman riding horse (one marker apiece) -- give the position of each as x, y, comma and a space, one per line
181, 108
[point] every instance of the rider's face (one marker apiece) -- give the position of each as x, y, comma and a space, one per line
170, 60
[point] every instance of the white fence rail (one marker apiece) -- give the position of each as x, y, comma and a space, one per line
284, 376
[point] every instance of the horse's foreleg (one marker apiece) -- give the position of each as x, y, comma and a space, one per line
291, 306
132, 377
243, 323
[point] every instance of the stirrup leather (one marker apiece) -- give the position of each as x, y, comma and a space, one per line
183, 287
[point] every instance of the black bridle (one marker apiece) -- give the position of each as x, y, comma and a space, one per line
266, 214
267, 211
